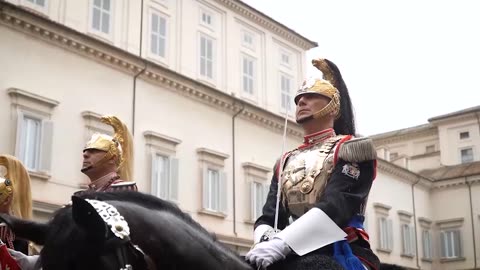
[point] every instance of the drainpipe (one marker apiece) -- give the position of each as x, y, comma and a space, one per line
134, 90
415, 222
469, 185
233, 168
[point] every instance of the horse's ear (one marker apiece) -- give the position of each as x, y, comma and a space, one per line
26, 229
85, 216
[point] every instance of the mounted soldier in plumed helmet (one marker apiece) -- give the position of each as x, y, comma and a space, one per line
107, 160
324, 183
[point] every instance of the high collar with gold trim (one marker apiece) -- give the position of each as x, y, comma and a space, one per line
317, 137
104, 181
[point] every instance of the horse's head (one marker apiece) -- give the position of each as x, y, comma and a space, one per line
88, 234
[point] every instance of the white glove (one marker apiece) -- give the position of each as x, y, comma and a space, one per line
25, 262
266, 253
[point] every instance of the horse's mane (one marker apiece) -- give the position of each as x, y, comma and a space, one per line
146, 200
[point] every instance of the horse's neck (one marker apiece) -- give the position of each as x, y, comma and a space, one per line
171, 240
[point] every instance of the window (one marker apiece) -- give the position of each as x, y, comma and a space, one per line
450, 244
37, 5
101, 16
34, 142
285, 59
158, 35
259, 192
285, 86
40, 3
430, 149
214, 182
408, 238
464, 135
427, 244
206, 18
34, 130
466, 155
165, 177
164, 165
257, 176
30, 142
248, 77
214, 190
206, 57
247, 40
386, 233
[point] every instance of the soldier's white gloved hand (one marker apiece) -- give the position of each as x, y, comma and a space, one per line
266, 253
25, 262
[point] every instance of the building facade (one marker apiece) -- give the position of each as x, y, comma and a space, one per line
204, 86
423, 212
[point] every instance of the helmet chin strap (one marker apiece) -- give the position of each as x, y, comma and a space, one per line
102, 161
332, 107
304, 119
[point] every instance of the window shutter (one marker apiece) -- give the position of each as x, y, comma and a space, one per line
390, 234
19, 143
46, 146
443, 244
457, 243
413, 241
173, 194
205, 191
266, 190
252, 200
223, 192
154, 183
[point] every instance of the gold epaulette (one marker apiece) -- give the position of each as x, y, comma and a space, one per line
357, 150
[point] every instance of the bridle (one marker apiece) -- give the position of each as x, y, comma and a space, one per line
121, 243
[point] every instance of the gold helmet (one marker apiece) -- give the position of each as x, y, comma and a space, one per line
324, 87
14, 179
119, 146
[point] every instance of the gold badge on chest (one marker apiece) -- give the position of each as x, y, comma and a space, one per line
306, 174
302, 168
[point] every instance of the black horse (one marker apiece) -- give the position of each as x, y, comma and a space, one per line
160, 236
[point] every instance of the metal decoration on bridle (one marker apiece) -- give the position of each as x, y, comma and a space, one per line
118, 226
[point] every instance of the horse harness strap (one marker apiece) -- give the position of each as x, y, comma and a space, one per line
119, 227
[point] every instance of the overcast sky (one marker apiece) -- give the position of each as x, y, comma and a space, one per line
403, 61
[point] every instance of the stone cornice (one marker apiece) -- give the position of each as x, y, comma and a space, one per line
236, 241
212, 153
59, 35
254, 166
404, 174
455, 182
383, 140
22, 94
455, 119
269, 23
